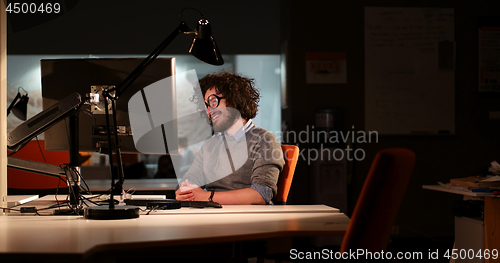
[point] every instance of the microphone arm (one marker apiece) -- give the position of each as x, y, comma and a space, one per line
24, 133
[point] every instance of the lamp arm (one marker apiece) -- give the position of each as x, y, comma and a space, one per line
120, 88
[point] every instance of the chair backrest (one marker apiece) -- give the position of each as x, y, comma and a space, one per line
17, 179
291, 155
375, 212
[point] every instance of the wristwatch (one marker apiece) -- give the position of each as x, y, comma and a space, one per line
212, 192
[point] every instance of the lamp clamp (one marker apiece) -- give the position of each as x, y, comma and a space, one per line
97, 95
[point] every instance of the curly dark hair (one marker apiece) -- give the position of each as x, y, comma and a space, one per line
240, 92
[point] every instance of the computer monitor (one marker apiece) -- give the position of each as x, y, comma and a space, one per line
62, 77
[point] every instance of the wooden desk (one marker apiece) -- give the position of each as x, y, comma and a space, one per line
491, 215
79, 239
452, 191
491, 224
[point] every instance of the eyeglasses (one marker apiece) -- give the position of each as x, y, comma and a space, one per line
213, 101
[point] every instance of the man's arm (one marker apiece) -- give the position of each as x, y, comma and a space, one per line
268, 163
246, 196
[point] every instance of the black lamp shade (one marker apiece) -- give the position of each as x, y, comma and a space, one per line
203, 46
21, 108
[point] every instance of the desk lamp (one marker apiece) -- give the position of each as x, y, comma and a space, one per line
202, 47
19, 105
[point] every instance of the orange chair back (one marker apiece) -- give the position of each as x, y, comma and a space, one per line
17, 179
375, 212
291, 155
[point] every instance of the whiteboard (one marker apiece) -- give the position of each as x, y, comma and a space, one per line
409, 70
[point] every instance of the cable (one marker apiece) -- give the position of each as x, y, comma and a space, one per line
19, 148
129, 193
6, 208
57, 205
87, 188
69, 172
57, 190
152, 209
39, 147
90, 200
70, 207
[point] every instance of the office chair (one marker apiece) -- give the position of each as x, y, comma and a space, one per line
21, 182
291, 155
378, 204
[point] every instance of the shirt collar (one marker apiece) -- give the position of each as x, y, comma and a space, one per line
240, 134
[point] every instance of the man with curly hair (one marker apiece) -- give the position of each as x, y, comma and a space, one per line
241, 163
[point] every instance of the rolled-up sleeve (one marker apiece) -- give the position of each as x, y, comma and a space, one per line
264, 191
268, 162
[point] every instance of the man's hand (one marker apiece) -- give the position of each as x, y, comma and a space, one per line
191, 192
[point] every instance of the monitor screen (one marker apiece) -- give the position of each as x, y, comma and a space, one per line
62, 77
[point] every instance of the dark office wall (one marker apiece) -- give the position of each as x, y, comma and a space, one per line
338, 26
137, 27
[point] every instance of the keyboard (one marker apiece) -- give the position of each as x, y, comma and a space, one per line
196, 204
200, 204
